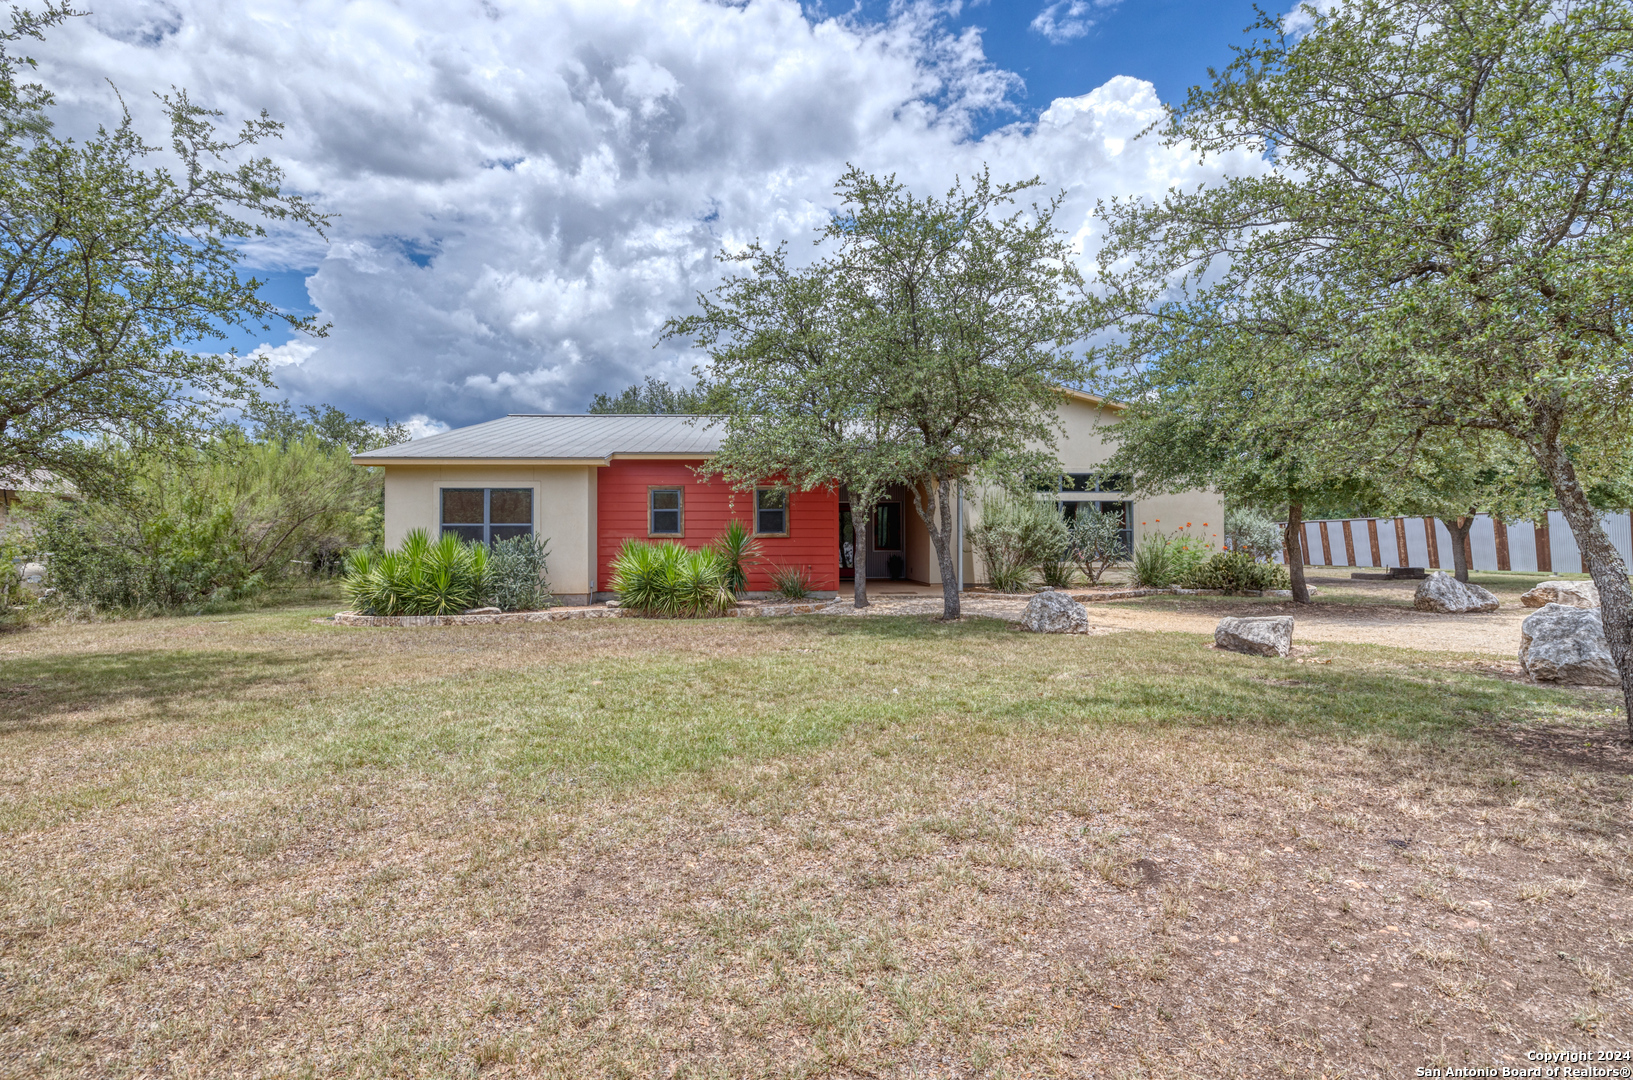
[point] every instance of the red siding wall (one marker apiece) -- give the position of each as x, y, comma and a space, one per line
813, 520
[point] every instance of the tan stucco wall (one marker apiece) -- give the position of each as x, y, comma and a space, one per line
563, 510
1081, 446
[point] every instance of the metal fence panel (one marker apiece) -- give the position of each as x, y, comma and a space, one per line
1522, 546
1567, 556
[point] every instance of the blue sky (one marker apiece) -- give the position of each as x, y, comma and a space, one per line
526, 189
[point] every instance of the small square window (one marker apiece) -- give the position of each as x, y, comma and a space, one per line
770, 512
664, 512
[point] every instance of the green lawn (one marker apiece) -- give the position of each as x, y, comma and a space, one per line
260, 844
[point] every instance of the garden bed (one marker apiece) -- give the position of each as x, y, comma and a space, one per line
743, 609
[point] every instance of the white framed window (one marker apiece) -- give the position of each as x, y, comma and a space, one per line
483, 515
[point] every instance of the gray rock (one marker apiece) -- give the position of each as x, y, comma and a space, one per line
1271, 636
1440, 592
1285, 593
1565, 644
482, 611
1055, 613
1580, 594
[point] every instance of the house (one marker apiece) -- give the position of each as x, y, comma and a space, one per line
589, 482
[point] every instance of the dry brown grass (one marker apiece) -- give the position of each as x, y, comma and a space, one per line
260, 846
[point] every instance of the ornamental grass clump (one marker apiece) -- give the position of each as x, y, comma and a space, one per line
424, 577
1164, 559
791, 582
667, 579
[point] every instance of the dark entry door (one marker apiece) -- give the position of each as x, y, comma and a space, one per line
847, 544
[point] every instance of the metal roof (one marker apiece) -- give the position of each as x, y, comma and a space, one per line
562, 438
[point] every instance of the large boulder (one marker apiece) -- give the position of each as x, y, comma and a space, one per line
1443, 593
1579, 594
1565, 644
1052, 612
1272, 636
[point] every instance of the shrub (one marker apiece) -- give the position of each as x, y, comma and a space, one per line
791, 582
1254, 532
516, 574
1236, 571
1095, 541
1014, 536
1057, 573
669, 579
1162, 560
425, 577
737, 548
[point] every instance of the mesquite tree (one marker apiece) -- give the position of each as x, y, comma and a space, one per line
115, 276
1448, 184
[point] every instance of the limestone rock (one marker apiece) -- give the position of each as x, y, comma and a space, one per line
1445, 594
1272, 636
1053, 612
1580, 594
482, 611
1565, 644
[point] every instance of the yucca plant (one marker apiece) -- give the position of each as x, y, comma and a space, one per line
737, 547
669, 579
443, 577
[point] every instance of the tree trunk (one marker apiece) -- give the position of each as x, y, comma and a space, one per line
942, 524
861, 524
1604, 563
1293, 537
1460, 528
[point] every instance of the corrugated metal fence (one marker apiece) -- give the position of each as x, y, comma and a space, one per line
1493, 545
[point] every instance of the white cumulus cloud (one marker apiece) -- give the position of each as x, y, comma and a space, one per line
1068, 20
525, 191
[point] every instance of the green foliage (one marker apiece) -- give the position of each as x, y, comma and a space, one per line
791, 582
15, 598
1095, 541
1252, 531
737, 548
328, 426
424, 577
669, 579
116, 278
516, 574
657, 397
185, 528
1235, 571
1015, 535
1058, 573
927, 348
1164, 559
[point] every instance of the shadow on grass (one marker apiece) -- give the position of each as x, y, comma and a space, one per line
43, 693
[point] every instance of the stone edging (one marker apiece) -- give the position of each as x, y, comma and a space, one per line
352, 618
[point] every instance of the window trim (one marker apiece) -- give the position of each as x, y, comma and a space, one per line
787, 508
680, 511
488, 524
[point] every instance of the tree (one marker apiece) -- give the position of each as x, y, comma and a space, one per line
927, 349
653, 396
1215, 405
797, 406
1449, 185
112, 275
965, 317
332, 428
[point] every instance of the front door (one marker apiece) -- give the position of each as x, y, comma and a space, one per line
847, 544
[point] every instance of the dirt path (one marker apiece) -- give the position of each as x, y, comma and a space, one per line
1373, 613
